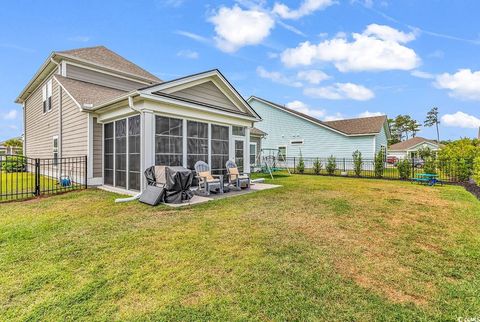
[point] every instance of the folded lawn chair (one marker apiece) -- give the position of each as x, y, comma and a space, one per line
206, 181
154, 194
236, 179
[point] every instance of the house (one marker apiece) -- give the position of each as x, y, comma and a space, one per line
10, 150
294, 133
409, 148
93, 102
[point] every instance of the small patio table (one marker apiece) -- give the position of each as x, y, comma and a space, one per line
427, 178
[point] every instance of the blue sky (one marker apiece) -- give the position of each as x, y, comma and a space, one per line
331, 59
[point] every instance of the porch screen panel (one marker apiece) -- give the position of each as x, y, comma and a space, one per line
220, 149
121, 153
108, 154
197, 143
168, 141
134, 153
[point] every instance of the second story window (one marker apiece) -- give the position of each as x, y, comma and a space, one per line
47, 96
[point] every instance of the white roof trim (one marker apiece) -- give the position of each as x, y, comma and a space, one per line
306, 119
413, 146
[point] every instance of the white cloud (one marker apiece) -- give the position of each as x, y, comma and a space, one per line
339, 91
464, 84
10, 115
334, 117
462, 120
420, 74
190, 54
277, 77
272, 55
377, 48
370, 114
312, 76
193, 36
301, 107
236, 28
306, 8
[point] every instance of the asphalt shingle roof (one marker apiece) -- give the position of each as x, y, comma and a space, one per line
88, 93
405, 145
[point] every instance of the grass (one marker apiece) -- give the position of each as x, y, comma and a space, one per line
21, 185
319, 248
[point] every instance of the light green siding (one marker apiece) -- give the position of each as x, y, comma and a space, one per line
283, 127
381, 140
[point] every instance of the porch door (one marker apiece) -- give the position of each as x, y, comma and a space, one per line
239, 153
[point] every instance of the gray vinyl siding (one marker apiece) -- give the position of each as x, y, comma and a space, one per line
94, 77
75, 129
283, 127
207, 93
97, 148
41, 127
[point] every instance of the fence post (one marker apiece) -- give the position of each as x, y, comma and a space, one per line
294, 165
86, 171
413, 167
344, 165
37, 177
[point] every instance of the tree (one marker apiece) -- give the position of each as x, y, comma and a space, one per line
432, 120
14, 143
402, 127
357, 163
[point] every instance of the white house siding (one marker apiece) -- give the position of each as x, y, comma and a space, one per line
97, 148
282, 127
74, 129
207, 93
91, 76
40, 128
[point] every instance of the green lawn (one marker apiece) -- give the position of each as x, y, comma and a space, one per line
319, 248
21, 185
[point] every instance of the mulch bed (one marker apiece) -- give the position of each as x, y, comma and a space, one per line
472, 188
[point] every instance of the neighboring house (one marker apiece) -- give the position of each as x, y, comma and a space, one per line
10, 150
93, 102
295, 133
409, 148
256, 138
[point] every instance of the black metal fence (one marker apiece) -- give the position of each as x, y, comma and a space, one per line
449, 171
22, 177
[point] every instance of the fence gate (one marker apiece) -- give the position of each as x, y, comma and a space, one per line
22, 177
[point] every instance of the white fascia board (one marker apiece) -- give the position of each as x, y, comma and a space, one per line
172, 101
306, 119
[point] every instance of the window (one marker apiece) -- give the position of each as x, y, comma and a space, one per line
168, 141
121, 153
220, 148
238, 130
55, 150
134, 153
108, 143
47, 96
239, 154
282, 153
253, 154
197, 143
296, 142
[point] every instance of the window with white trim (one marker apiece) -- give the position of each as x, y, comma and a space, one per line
47, 96
55, 150
253, 153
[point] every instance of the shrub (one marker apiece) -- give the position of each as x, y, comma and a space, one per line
13, 164
317, 166
301, 165
425, 153
379, 164
430, 166
357, 163
404, 168
331, 165
476, 170
463, 169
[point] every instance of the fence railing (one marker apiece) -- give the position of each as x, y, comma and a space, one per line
22, 177
451, 171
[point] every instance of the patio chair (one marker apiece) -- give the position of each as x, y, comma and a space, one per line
235, 178
206, 181
156, 176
